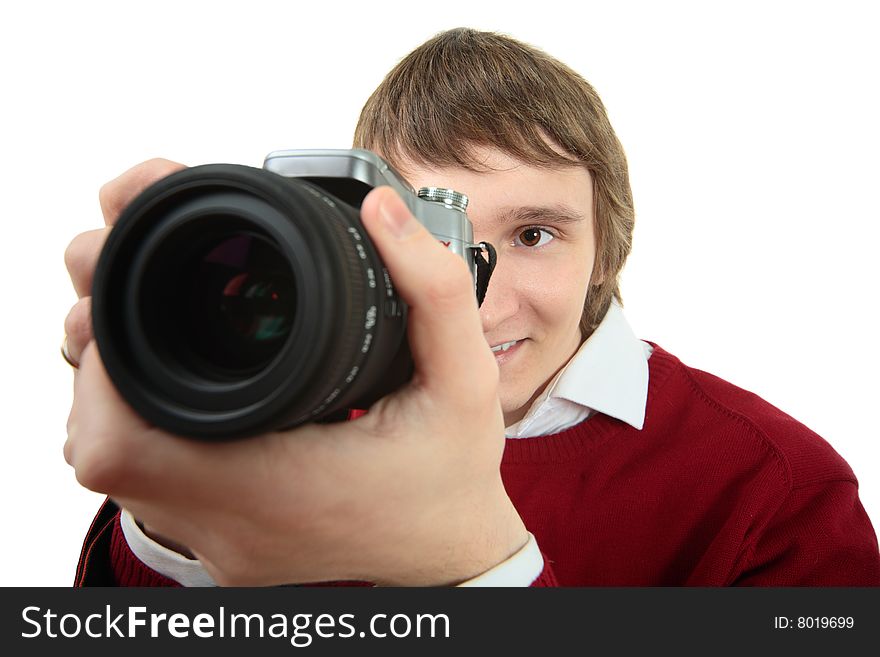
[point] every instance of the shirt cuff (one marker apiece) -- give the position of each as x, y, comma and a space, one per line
521, 569
171, 564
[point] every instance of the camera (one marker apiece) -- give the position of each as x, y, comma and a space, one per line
231, 300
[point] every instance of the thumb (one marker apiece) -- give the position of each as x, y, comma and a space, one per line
444, 331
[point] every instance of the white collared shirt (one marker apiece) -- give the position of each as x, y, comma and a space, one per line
608, 374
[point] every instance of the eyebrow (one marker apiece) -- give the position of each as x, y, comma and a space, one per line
557, 213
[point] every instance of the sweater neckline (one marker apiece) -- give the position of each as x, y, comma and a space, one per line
595, 430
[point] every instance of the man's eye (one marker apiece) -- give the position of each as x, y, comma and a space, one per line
533, 237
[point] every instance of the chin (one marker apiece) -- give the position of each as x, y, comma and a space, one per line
513, 407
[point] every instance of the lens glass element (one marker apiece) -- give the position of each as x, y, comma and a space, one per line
240, 303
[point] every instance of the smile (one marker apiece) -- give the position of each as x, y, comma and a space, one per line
504, 346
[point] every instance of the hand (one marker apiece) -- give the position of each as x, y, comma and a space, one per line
82, 253
409, 494
81, 259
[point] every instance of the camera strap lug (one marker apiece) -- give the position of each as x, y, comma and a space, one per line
485, 267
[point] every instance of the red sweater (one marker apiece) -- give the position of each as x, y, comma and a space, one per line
718, 488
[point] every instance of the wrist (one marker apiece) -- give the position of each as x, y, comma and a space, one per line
469, 547
520, 570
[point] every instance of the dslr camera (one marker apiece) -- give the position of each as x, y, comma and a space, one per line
230, 300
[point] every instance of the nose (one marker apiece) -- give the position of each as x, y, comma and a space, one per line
501, 302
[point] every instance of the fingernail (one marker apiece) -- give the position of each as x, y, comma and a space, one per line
397, 218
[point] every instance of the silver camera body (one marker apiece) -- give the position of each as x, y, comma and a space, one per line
441, 211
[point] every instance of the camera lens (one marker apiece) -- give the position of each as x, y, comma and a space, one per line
230, 301
240, 302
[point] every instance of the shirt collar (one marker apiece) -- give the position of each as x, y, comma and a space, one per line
608, 374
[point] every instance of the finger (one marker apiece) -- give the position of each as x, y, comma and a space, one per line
102, 431
78, 327
118, 193
81, 258
115, 451
445, 334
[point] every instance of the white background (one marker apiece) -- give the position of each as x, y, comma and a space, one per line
751, 130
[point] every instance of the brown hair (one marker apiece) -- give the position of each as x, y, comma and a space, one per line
466, 87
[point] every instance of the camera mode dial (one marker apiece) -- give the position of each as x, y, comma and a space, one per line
448, 197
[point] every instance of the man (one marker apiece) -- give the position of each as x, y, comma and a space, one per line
539, 441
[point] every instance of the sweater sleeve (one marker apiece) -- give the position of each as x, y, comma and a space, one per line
820, 536
128, 569
165, 561
106, 559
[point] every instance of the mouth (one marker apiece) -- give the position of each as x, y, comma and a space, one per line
504, 346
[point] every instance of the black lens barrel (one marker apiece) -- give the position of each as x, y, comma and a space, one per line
230, 301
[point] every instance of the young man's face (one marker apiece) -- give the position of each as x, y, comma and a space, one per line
540, 221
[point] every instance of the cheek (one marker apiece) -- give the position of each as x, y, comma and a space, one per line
555, 291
